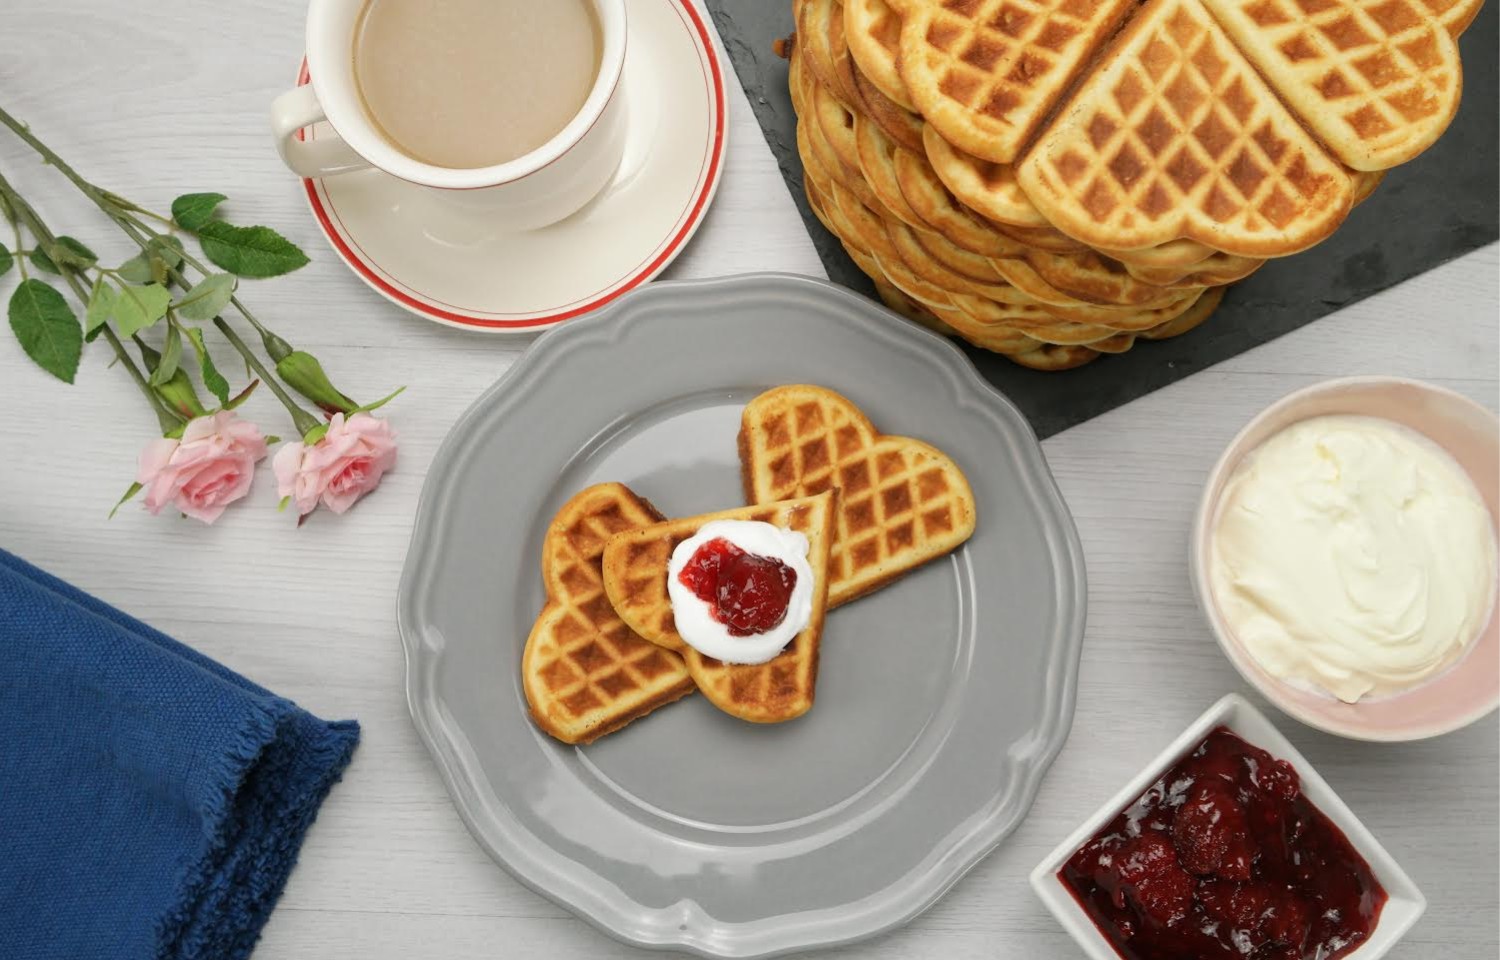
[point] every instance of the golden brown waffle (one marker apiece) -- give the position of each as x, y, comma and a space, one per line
635, 576
1189, 319
917, 258
584, 672
942, 212
1123, 319
831, 136
1005, 319
899, 123
1010, 315
1455, 15
1046, 326
877, 162
909, 308
1378, 81
1217, 270
987, 187
915, 251
1177, 254
1051, 358
982, 274
1365, 183
873, 32
1080, 172
1098, 279
817, 24
991, 189
835, 124
1047, 238
986, 72
901, 502
1174, 135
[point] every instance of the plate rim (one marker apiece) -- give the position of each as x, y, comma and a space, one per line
763, 937
708, 43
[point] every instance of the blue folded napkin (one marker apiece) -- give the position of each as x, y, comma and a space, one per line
151, 802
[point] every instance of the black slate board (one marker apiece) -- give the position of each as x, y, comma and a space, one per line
1439, 206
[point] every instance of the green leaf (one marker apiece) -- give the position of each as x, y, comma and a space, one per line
272, 439
193, 210
171, 358
212, 378
101, 305
5, 261
41, 261
162, 254
249, 251
47, 328
137, 308
166, 248
378, 403
64, 250
135, 488
208, 297
149, 356
137, 269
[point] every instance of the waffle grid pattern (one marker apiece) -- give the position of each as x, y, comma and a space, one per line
985, 71
1243, 169
898, 504
587, 661
873, 32
1081, 169
1375, 78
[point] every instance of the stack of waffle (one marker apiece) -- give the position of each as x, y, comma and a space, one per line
1053, 179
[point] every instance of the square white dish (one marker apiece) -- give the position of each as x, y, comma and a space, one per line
1405, 903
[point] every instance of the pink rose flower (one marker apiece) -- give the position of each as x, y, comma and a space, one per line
343, 466
205, 470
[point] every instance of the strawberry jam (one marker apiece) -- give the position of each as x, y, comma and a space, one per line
1225, 857
747, 593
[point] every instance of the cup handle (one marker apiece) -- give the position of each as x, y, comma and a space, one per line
324, 157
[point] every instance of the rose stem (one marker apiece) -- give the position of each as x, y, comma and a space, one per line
106, 201
168, 419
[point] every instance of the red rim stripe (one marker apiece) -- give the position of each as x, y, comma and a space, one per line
695, 214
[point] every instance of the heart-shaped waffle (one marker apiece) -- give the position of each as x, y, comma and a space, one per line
901, 502
635, 580
1175, 135
1377, 80
985, 72
584, 672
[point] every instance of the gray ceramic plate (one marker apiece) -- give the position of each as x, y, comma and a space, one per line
941, 699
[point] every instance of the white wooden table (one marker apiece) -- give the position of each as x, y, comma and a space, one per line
176, 101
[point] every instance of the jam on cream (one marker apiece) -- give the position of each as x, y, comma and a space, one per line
740, 589
1353, 556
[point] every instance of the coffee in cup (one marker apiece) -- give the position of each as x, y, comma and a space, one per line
474, 83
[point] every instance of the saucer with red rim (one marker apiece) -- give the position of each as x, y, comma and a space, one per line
429, 254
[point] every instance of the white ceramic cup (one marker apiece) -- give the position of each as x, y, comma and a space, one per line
531, 191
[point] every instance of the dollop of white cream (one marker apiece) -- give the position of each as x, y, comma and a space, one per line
1354, 556
695, 620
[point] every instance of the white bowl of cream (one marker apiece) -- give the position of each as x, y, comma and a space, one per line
1345, 555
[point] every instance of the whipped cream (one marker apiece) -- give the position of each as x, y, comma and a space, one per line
1353, 555
695, 620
